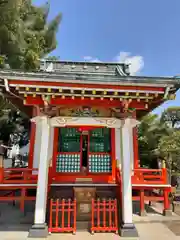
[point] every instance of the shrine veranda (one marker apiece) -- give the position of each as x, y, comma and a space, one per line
83, 157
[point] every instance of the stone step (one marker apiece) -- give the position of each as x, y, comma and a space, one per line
83, 225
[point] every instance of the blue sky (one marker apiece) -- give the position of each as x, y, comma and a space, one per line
144, 33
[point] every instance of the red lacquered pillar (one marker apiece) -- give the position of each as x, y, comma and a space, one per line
142, 208
1, 168
167, 211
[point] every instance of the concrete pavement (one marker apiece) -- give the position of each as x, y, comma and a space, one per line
154, 226
147, 231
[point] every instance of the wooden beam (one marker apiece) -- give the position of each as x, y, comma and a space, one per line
31, 101
35, 84
19, 104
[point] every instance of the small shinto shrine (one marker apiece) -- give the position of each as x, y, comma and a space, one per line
83, 157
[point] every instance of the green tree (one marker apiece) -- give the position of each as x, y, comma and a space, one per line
52, 58
169, 148
26, 35
150, 132
171, 116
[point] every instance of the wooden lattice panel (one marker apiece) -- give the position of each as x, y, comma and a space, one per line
68, 163
100, 163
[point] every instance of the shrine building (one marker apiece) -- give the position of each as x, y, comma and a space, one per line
83, 158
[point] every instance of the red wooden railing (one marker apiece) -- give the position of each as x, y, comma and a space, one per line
104, 216
62, 216
18, 175
144, 181
150, 176
146, 176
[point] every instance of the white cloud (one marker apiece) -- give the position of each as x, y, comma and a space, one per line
87, 58
136, 62
91, 59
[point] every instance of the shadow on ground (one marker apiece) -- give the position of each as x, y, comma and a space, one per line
12, 219
148, 209
173, 226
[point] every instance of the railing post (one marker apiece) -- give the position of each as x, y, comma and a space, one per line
98, 213
104, 211
74, 228
165, 175
167, 211
1, 168
51, 216
142, 209
92, 216
22, 201
116, 217
57, 213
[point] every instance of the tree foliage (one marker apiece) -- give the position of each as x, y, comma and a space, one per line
26, 35
171, 116
52, 58
170, 144
150, 131
159, 138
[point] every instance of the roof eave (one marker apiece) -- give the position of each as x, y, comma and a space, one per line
99, 80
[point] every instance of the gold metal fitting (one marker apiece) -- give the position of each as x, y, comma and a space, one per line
172, 96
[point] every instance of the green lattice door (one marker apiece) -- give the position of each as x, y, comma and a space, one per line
99, 151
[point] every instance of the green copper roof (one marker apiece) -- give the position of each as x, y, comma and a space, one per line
98, 68
88, 72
